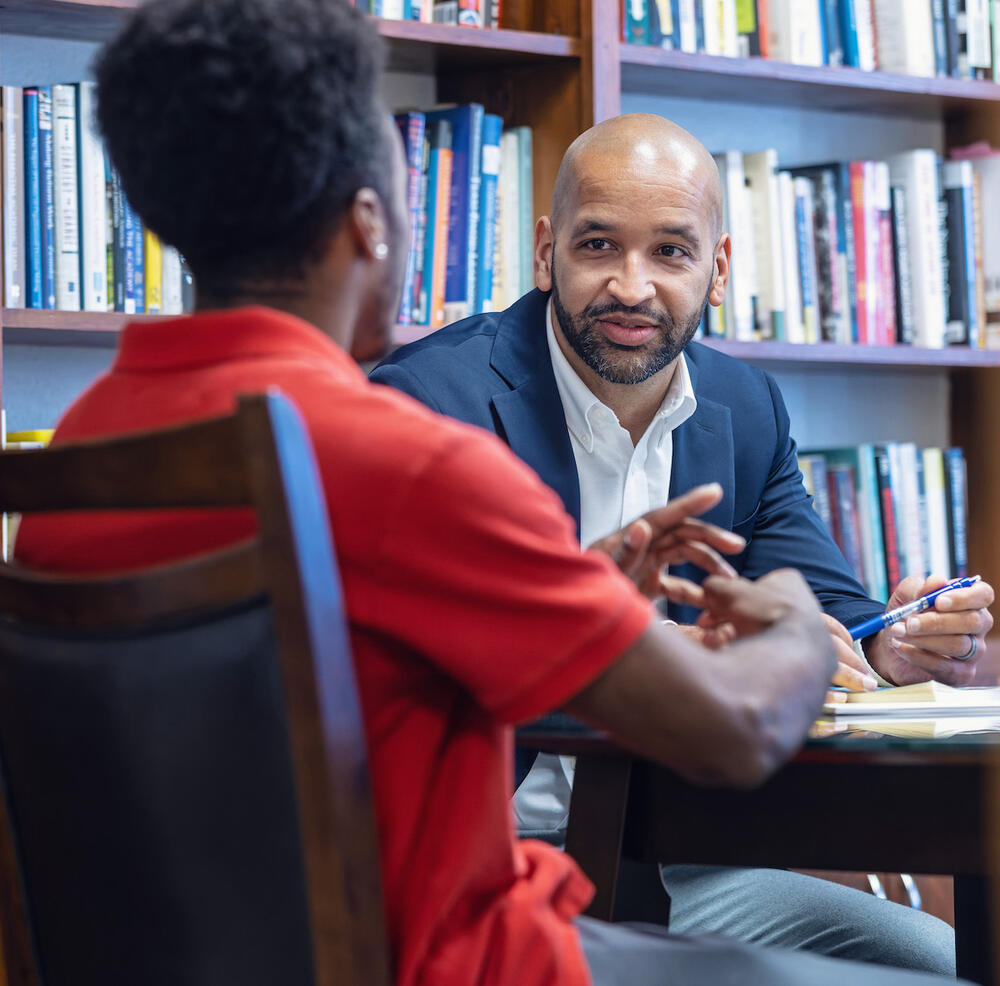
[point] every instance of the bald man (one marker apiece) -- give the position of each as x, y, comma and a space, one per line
594, 381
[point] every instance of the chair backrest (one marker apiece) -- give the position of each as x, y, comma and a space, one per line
182, 752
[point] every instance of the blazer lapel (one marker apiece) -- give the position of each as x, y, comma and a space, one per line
703, 453
531, 412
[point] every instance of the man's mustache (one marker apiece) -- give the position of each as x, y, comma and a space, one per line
633, 311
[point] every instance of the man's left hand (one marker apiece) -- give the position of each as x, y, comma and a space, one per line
944, 643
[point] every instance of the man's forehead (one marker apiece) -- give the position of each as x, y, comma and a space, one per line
652, 198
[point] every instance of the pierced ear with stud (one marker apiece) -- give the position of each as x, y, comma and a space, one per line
381, 251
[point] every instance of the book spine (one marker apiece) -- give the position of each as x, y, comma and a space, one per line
188, 293
858, 218
868, 494
956, 481
139, 247
953, 64
901, 253
526, 209
419, 295
154, 273
939, 553
886, 299
14, 220
794, 326
959, 310
865, 15
637, 22
807, 258
980, 273
46, 185
849, 33
109, 209
844, 495
890, 534
33, 199
118, 242
93, 206
411, 127
940, 37
821, 493
489, 177
845, 220
66, 197
834, 40
688, 29
172, 291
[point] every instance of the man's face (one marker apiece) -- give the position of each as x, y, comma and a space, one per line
632, 267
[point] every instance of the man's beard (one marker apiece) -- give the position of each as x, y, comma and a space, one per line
617, 363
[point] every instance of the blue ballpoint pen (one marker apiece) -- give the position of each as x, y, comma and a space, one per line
877, 623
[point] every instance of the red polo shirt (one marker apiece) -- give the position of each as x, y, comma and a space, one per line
470, 604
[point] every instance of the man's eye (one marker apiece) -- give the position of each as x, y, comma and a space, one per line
596, 244
671, 251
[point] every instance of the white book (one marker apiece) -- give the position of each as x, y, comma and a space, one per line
172, 281
13, 198
917, 172
794, 328
865, 21
392, 10
510, 241
939, 562
727, 22
760, 168
712, 21
978, 33
689, 25
66, 198
736, 221
913, 521
93, 205
794, 32
905, 37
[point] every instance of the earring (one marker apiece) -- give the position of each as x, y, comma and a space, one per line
381, 251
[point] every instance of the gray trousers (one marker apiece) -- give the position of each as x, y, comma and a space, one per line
793, 911
649, 955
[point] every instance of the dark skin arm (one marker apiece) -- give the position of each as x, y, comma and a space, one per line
727, 716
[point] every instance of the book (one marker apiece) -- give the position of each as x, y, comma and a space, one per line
32, 200
411, 128
526, 209
463, 219
901, 261
154, 272
794, 326
508, 268
438, 214
93, 204
489, 176
760, 169
807, 258
13, 206
65, 198
904, 33
957, 181
46, 190
736, 220
172, 291
926, 696
956, 483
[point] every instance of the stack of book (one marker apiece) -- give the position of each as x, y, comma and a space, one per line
912, 37
870, 252
894, 509
71, 241
469, 13
471, 212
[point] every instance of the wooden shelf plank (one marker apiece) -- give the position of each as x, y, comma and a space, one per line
766, 82
831, 353
69, 324
411, 45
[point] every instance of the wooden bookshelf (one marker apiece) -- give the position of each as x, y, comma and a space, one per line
760, 81
558, 67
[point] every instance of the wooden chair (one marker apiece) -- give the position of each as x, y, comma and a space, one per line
183, 760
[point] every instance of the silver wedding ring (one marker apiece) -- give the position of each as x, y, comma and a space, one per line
971, 653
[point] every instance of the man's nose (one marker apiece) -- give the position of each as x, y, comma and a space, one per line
632, 285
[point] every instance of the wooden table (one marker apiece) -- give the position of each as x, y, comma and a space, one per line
856, 801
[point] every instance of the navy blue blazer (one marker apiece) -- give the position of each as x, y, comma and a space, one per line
495, 371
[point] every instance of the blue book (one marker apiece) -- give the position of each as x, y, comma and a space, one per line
33, 200
139, 233
463, 220
411, 128
438, 140
849, 33
128, 242
955, 480
824, 40
830, 18
46, 182
492, 127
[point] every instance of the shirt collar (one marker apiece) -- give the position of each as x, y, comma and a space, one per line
234, 333
582, 408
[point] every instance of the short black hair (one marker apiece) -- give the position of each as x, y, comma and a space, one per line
242, 129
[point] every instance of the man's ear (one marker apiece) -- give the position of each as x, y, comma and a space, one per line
544, 241
369, 226
720, 274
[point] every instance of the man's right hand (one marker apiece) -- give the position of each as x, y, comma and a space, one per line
670, 535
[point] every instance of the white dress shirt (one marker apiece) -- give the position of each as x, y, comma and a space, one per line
618, 483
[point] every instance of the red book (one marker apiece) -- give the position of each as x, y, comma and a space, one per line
861, 274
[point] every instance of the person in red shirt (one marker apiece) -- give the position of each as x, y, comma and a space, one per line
248, 134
